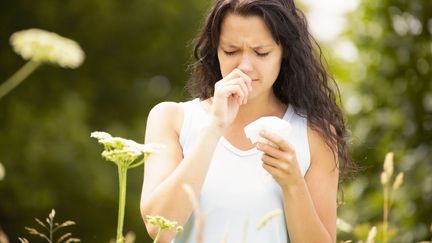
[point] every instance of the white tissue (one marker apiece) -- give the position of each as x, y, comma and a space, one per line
271, 124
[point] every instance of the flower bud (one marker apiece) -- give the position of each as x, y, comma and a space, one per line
398, 181
384, 178
371, 235
388, 164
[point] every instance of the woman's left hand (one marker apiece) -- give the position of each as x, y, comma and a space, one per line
280, 161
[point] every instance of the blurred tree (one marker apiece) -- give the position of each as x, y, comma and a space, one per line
136, 56
387, 91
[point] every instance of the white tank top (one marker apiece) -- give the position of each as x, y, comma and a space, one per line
237, 192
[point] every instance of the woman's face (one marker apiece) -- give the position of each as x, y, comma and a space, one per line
247, 44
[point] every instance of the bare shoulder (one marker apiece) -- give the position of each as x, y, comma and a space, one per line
163, 125
319, 148
166, 115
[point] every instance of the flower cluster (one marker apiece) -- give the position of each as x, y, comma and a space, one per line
163, 223
124, 151
43, 46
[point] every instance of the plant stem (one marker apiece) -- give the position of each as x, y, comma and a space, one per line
157, 235
385, 216
18, 77
122, 172
51, 230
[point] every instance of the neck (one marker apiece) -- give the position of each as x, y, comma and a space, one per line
265, 105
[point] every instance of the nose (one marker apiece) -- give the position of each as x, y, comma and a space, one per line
245, 64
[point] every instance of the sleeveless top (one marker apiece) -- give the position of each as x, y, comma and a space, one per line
238, 192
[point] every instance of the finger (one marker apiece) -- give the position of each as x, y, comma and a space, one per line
270, 150
237, 73
276, 163
245, 76
272, 170
241, 83
278, 140
267, 159
235, 90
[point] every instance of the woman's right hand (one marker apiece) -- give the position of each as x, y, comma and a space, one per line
229, 94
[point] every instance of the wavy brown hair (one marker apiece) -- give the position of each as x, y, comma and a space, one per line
302, 81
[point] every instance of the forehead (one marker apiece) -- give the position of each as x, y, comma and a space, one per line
236, 29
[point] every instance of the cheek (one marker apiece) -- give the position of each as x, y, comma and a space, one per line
270, 68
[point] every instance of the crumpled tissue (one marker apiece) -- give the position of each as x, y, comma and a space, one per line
270, 124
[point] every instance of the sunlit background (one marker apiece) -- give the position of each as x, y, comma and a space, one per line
137, 54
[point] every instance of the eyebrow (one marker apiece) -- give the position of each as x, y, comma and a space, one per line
253, 47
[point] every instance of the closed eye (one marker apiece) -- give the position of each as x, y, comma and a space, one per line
229, 53
262, 54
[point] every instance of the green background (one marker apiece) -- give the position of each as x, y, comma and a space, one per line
137, 55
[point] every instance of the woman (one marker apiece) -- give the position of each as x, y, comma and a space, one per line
255, 58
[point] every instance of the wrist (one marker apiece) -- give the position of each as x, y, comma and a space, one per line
295, 188
216, 128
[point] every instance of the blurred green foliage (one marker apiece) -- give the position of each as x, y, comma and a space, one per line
137, 54
387, 92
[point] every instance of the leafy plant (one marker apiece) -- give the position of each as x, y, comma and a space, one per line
51, 227
162, 224
125, 154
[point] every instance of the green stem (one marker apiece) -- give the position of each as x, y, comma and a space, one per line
122, 172
136, 164
139, 162
17, 77
385, 216
157, 235
51, 230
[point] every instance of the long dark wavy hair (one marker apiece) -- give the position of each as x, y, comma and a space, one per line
302, 81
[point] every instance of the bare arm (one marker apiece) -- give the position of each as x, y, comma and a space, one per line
166, 172
311, 206
309, 202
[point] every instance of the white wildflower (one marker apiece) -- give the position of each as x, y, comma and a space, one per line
163, 223
120, 150
43, 46
100, 135
271, 124
151, 148
127, 155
